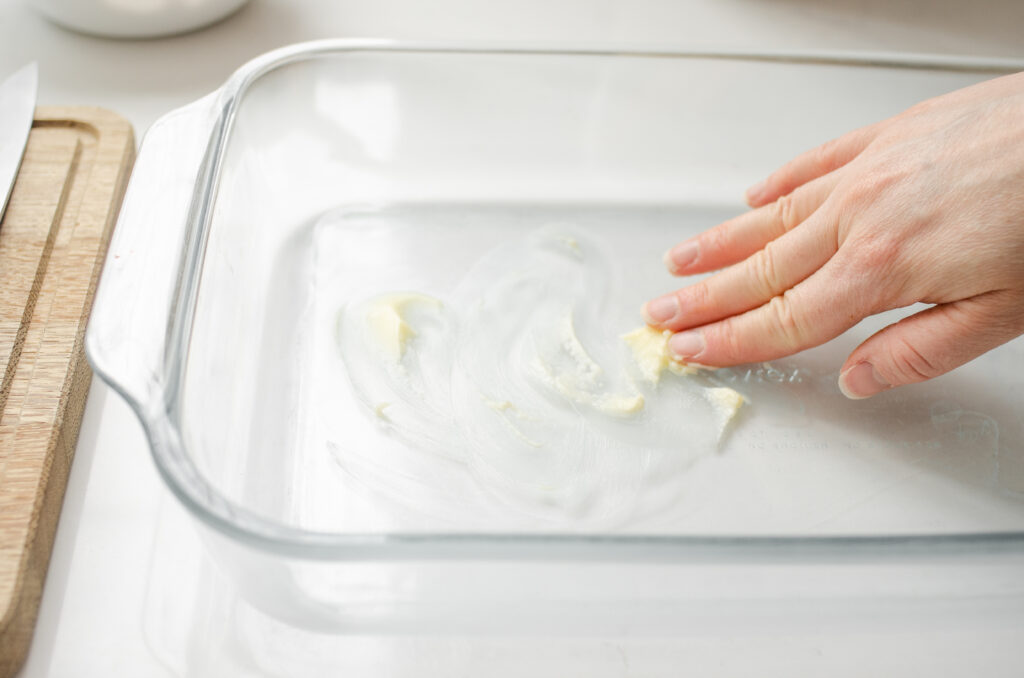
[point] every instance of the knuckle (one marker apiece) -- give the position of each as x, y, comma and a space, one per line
786, 212
910, 365
826, 156
874, 181
872, 253
872, 258
696, 297
718, 239
764, 271
785, 322
862, 192
727, 340
869, 268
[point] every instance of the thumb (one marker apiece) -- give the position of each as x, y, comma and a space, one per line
932, 342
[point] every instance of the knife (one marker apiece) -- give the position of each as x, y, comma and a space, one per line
17, 108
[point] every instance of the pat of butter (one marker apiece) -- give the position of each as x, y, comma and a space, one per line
387, 322
650, 353
620, 405
726, 401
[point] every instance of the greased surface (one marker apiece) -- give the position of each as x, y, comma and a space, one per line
518, 376
463, 368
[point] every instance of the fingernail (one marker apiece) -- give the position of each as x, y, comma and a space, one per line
686, 344
661, 310
754, 192
681, 256
861, 381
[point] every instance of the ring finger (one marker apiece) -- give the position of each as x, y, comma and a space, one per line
770, 271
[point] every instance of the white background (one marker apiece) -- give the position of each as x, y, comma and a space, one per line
120, 524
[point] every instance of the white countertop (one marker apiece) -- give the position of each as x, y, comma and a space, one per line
124, 546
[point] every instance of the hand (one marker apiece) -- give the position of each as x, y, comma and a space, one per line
927, 206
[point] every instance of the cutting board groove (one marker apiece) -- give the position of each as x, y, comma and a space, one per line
53, 239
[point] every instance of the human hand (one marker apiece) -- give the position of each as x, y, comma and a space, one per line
927, 206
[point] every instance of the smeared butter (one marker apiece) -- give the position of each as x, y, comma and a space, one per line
386, 320
650, 353
572, 244
500, 405
574, 374
509, 414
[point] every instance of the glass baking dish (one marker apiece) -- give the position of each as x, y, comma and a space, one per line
488, 189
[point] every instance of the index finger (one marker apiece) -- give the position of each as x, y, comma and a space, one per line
738, 238
811, 164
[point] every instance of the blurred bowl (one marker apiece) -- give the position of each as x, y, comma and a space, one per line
135, 18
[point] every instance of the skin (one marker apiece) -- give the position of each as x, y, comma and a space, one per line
927, 206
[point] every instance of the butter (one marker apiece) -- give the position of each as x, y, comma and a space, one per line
583, 372
379, 412
620, 406
508, 411
387, 323
650, 353
578, 377
572, 244
727, 404
500, 405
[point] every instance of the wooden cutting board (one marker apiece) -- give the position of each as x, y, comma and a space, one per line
53, 239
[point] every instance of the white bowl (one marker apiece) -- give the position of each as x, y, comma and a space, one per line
135, 18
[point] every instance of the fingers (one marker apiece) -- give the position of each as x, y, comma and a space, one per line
770, 271
931, 343
814, 311
736, 239
810, 165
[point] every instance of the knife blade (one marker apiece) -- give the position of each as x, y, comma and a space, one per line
17, 108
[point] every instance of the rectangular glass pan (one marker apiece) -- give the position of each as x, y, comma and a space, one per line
265, 221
